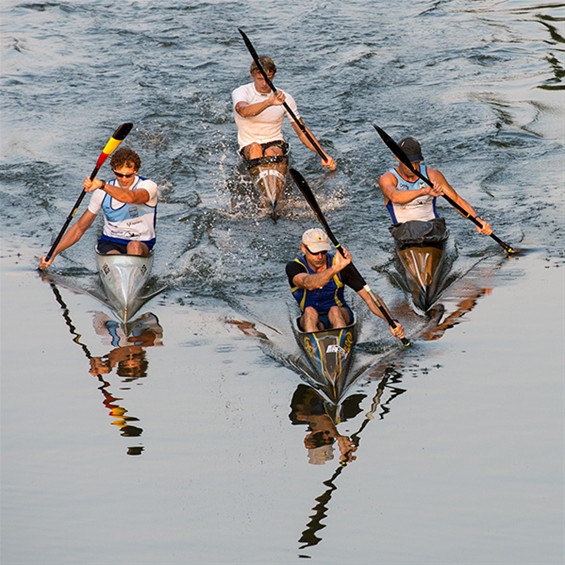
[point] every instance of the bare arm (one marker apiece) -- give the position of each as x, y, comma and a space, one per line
247, 110
397, 332
318, 280
440, 182
71, 236
137, 196
389, 187
329, 162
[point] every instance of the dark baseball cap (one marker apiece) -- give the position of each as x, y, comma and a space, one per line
412, 149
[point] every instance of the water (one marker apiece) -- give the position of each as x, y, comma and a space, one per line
200, 456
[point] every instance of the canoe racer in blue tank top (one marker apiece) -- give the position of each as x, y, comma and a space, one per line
408, 198
317, 279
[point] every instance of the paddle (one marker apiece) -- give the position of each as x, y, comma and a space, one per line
393, 146
311, 199
117, 137
272, 87
309, 536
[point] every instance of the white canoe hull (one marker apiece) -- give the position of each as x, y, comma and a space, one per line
123, 278
269, 176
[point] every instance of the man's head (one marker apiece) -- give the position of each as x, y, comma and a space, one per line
258, 79
268, 66
412, 149
315, 241
125, 164
125, 157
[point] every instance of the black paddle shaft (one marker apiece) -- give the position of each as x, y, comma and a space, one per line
269, 82
311, 199
395, 148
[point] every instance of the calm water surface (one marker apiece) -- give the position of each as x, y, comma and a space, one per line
186, 439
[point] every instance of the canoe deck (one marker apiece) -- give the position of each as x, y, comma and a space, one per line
269, 176
423, 270
330, 354
123, 278
422, 259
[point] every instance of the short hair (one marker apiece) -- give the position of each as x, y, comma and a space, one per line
125, 157
266, 62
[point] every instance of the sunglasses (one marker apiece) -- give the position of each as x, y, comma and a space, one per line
122, 176
324, 252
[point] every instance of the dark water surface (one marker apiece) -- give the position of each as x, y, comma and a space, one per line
189, 442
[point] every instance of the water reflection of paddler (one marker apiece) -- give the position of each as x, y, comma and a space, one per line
309, 408
144, 330
464, 306
321, 509
129, 341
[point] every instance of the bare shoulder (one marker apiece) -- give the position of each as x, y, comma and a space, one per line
434, 174
387, 179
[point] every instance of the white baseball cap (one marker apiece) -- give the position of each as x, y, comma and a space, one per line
316, 240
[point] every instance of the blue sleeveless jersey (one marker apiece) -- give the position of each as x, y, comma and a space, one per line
322, 299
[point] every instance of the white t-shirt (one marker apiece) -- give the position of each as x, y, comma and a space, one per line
264, 127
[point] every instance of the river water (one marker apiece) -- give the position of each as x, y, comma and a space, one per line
190, 442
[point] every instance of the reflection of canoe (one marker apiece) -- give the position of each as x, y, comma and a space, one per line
329, 353
123, 278
420, 249
269, 175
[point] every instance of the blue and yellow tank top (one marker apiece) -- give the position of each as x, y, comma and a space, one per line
322, 299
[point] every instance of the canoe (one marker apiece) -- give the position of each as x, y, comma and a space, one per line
269, 176
422, 259
123, 278
329, 353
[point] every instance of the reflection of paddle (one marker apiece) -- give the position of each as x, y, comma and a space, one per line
311, 199
309, 536
269, 82
117, 137
393, 146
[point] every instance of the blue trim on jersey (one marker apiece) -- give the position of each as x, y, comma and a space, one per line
150, 243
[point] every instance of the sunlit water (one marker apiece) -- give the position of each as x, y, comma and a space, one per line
189, 442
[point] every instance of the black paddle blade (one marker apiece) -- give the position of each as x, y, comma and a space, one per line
122, 131
306, 191
397, 151
248, 43
255, 57
393, 146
